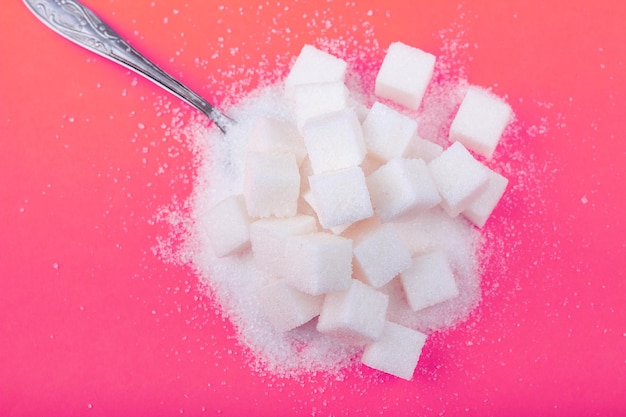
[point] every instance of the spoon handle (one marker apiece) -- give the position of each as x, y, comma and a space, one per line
79, 24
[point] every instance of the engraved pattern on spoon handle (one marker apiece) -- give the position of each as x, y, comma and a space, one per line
79, 24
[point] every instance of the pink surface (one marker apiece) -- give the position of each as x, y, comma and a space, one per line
92, 322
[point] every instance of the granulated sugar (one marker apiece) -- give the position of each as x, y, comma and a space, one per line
235, 281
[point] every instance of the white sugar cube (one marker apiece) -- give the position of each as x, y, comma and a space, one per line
423, 149
271, 135
404, 75
317, 99
268, 238
271, 184
480, 121
396, 352
315, 66
459, 178
479, 211
287, 308
402, 187
227, 224
429, 281
380, 255
387, 132
334, 141
340, 197
355, 316
318, 263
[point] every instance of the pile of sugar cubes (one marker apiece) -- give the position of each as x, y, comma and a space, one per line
323, 197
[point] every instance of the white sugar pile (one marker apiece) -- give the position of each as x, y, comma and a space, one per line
236, 280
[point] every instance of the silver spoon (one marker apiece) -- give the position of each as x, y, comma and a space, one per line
77, 23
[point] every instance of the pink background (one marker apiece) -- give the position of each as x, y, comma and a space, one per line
92, 322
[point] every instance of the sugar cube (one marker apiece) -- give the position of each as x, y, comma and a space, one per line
316, 99
380, 255
270, 135
404, 75
315, 66
287, 308
355, 316
271, 184
402, 187
480, 209
429, 281
318, 263
387, 132
340, 197
459, 178
227, 224
268, 238
480, 121
396, 352
334, 141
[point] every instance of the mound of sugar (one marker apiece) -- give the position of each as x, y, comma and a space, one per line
338, 222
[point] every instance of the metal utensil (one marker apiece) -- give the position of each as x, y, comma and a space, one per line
77, 23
